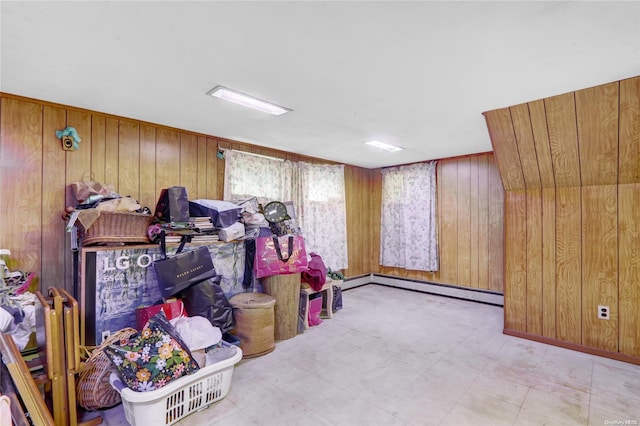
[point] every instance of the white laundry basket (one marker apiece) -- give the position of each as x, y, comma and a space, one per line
178, 399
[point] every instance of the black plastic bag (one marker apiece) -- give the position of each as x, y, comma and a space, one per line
207, 299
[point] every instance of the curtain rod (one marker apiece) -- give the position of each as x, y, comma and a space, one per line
250, 153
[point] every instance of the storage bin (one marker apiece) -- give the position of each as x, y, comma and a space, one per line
255, 316
178, 399
117, 227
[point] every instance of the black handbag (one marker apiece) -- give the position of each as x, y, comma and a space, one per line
184, 269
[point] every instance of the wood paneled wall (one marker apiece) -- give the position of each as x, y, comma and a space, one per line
570, 165
140, 159
470, 225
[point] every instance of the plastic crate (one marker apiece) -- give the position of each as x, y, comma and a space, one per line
178, 399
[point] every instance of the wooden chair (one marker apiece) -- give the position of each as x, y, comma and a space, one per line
59, 342
50, 339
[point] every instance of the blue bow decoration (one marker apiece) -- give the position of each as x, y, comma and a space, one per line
70, 131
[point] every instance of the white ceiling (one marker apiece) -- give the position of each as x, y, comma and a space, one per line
418, 74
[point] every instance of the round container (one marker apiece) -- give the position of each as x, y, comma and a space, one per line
286, 290
254, 314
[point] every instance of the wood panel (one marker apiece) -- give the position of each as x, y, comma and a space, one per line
587, 152
568, 265
355, 186
629, 132
214, 164
189, 164
526, 146
223, 144
376, 219
202, 172
505, 148
53, 198
474, 193
111, 166
21, 156
549, 262
629, 268
600, 265
448, 223
129, 159
98, 146
464, 222
167, 159
148, 193
538, 117
534, 260
483, 252
515, 246
496, 229
77, 165
597, 114
563, 139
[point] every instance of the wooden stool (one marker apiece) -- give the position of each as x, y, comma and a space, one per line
327, 302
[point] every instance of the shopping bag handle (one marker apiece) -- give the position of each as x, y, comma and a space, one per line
276, 243
163, 244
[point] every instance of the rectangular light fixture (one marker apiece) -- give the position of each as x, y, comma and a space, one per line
385, 146
243, 99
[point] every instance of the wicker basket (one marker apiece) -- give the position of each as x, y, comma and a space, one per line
93, 390
118, 227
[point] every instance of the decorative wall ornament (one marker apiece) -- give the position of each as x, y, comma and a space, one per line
69, 138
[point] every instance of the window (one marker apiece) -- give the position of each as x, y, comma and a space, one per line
408, 234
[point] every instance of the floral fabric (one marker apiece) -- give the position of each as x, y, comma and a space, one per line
408, 235
152, 358
247, 175
323, 212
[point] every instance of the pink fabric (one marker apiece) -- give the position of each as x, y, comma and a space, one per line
316, 273
315, 309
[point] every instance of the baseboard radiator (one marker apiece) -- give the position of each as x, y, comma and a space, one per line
465, 293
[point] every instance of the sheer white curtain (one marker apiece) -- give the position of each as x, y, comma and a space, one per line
323, 212
247, 176
408, 235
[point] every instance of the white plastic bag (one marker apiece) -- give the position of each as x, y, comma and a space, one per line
197, 332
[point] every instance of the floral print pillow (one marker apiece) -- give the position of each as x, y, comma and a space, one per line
150, 359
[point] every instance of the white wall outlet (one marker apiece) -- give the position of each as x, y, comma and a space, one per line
603, 312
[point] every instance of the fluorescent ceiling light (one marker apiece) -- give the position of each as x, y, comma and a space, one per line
386, 146
246, 100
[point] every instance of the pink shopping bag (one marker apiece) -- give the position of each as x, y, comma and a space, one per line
280, 255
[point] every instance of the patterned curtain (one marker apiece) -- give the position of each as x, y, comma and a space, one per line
323, 213
408, 234
247, 176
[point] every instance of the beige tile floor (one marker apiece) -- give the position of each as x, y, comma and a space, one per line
397, 357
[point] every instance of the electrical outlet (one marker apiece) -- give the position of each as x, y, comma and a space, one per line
603, 312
